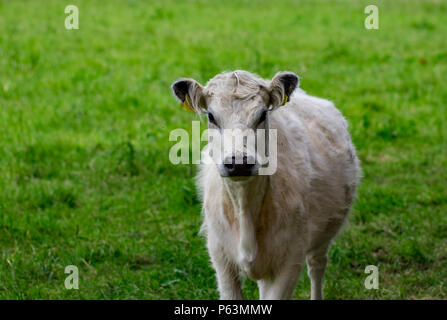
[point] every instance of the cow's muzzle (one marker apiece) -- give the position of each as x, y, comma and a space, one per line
238, 166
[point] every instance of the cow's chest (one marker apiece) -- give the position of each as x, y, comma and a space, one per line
251, 254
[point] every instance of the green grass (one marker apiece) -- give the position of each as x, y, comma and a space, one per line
85, 117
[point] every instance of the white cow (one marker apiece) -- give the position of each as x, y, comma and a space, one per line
265, 226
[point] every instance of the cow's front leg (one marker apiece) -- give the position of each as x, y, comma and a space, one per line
282, 285
227, 274
228, 283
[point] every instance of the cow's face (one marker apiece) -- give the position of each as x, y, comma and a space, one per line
237, 105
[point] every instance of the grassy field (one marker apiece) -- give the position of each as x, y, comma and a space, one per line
85, 117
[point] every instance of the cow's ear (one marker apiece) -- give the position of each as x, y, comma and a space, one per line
281, 87
190, 93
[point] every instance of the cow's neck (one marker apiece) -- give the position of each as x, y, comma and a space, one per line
247, 198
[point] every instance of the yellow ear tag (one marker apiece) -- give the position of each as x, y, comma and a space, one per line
286, 99
187, 104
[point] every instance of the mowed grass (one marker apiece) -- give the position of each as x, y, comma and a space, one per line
85, 117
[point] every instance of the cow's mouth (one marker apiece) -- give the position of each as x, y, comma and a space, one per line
238, 172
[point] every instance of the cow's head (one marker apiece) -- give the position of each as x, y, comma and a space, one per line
237, 105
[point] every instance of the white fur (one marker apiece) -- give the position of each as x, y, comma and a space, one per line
266, 226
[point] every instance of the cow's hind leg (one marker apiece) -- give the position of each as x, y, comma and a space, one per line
316, 266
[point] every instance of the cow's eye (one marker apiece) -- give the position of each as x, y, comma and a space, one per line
262, 117
211, 119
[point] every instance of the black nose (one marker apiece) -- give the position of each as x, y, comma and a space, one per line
242, 167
